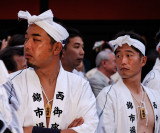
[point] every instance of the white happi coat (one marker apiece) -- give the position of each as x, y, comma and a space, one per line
73, 98
152, 79
117, 112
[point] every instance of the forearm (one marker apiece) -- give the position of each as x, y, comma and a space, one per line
68, 131
35, 129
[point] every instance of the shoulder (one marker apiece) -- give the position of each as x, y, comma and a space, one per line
96, 76
20, 73
73, 79
151, 76
109, 92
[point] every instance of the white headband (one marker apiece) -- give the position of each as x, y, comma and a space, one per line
130, 41
97, 44
158, 45
45, 21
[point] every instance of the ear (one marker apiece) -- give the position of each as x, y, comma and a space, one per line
144, 60
159, 50
57, 47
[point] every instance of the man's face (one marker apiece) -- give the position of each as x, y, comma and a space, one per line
37, 48
74, 52
110, 65
128, 61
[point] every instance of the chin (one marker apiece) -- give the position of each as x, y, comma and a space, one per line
32, 65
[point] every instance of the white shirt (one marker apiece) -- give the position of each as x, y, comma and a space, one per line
117, 112
73, 98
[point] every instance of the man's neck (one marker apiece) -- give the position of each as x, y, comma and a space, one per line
67, 67
48, 74
133, 84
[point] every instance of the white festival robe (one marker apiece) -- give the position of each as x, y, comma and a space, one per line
117, 112
73, 98
152, 79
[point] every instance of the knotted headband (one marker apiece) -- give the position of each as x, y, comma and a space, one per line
45, 21
130, 41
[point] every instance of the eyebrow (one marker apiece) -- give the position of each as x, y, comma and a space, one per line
129, 51
33, 34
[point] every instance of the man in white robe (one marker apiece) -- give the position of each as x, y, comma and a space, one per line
9, 104
128, 106
51, 97
152, 79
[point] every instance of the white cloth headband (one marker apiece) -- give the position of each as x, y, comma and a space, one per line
98, 44
45, 21
130, 41
158, 45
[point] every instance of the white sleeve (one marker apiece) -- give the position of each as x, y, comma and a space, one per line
87, 109
106, 112
152, 80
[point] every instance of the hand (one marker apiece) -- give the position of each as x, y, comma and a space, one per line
28, 129
68, 131
76, 122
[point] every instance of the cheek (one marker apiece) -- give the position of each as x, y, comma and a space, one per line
73, 52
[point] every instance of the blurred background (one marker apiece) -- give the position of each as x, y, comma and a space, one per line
95, 19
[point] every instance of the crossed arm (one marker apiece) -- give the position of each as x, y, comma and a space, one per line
75, 123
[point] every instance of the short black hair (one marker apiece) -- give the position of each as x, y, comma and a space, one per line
17, 39
52, 39
72, 33
7, 56
134, 36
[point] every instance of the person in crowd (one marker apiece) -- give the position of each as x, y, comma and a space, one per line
17, 40
152, 79
127, 106
52, 98
4, 43
9, 104
73, 52
98, 46
13, 58
106, 66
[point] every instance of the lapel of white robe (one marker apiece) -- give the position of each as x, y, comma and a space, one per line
36, 97
155, 107
129, 106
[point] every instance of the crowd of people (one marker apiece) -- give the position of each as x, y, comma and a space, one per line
45, 89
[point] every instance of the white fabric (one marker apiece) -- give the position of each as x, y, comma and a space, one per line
79, 100
130, 41
114, 112
79, 73
45, 21
98, 44
9, 102
91, 72
158, 45
152, 79
4, 76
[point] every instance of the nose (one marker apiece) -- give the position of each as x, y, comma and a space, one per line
82, 51
27, 44
124, 60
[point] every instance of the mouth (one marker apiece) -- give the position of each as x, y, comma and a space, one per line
124, 69
80, 59
27, 56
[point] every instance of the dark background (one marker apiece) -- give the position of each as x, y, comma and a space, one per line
95, 19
